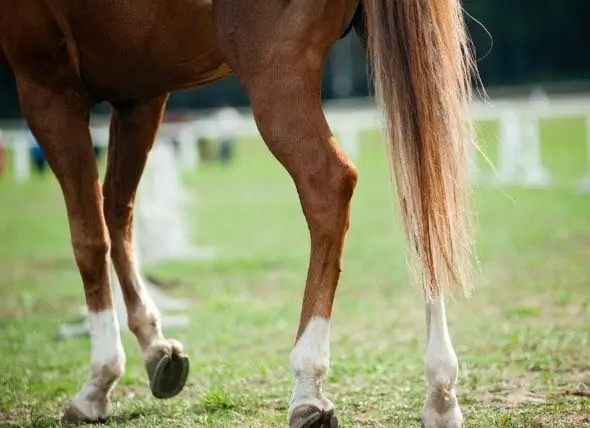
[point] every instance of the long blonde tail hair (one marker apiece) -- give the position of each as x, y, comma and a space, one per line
422, 67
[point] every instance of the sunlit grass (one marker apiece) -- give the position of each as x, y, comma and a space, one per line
523, 339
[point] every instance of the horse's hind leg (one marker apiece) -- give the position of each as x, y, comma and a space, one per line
441, 408
58, 118
283, 82
294, 128
132, 133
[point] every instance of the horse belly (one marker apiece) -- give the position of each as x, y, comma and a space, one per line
139, 48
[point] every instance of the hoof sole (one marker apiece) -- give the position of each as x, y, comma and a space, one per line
168, 375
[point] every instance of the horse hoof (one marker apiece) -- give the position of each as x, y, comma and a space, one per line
167, 374
73, 416
313, 417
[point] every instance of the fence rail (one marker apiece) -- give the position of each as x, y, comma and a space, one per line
518, 163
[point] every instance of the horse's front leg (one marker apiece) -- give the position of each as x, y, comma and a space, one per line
59, 122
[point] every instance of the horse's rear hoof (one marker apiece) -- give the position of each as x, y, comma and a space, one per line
312, 417
168, 374
73, 416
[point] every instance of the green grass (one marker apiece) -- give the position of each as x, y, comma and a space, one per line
523, 339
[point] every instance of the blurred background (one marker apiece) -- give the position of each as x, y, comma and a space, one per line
523, 51
218, 226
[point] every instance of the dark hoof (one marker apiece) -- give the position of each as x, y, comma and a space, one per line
312, 417
167, 374
73, 416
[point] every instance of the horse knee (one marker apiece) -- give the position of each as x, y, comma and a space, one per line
91, 257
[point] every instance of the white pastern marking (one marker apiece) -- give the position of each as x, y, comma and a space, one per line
442, 368
310, 361
107, 365
107, 349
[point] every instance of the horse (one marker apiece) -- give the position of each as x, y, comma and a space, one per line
67, 56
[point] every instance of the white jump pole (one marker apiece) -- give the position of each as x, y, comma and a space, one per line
160, 210
348, 137
189, 153
509, 148
534, 174
21, 161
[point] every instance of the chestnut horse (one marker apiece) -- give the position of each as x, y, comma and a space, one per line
68, 55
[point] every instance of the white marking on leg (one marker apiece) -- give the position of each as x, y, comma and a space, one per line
441, 409
310, 361
107, 365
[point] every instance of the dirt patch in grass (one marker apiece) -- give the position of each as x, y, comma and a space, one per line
520, 396
573, 418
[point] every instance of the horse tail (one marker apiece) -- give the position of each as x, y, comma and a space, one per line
422, 64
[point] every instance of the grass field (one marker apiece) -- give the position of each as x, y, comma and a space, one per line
523, 339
